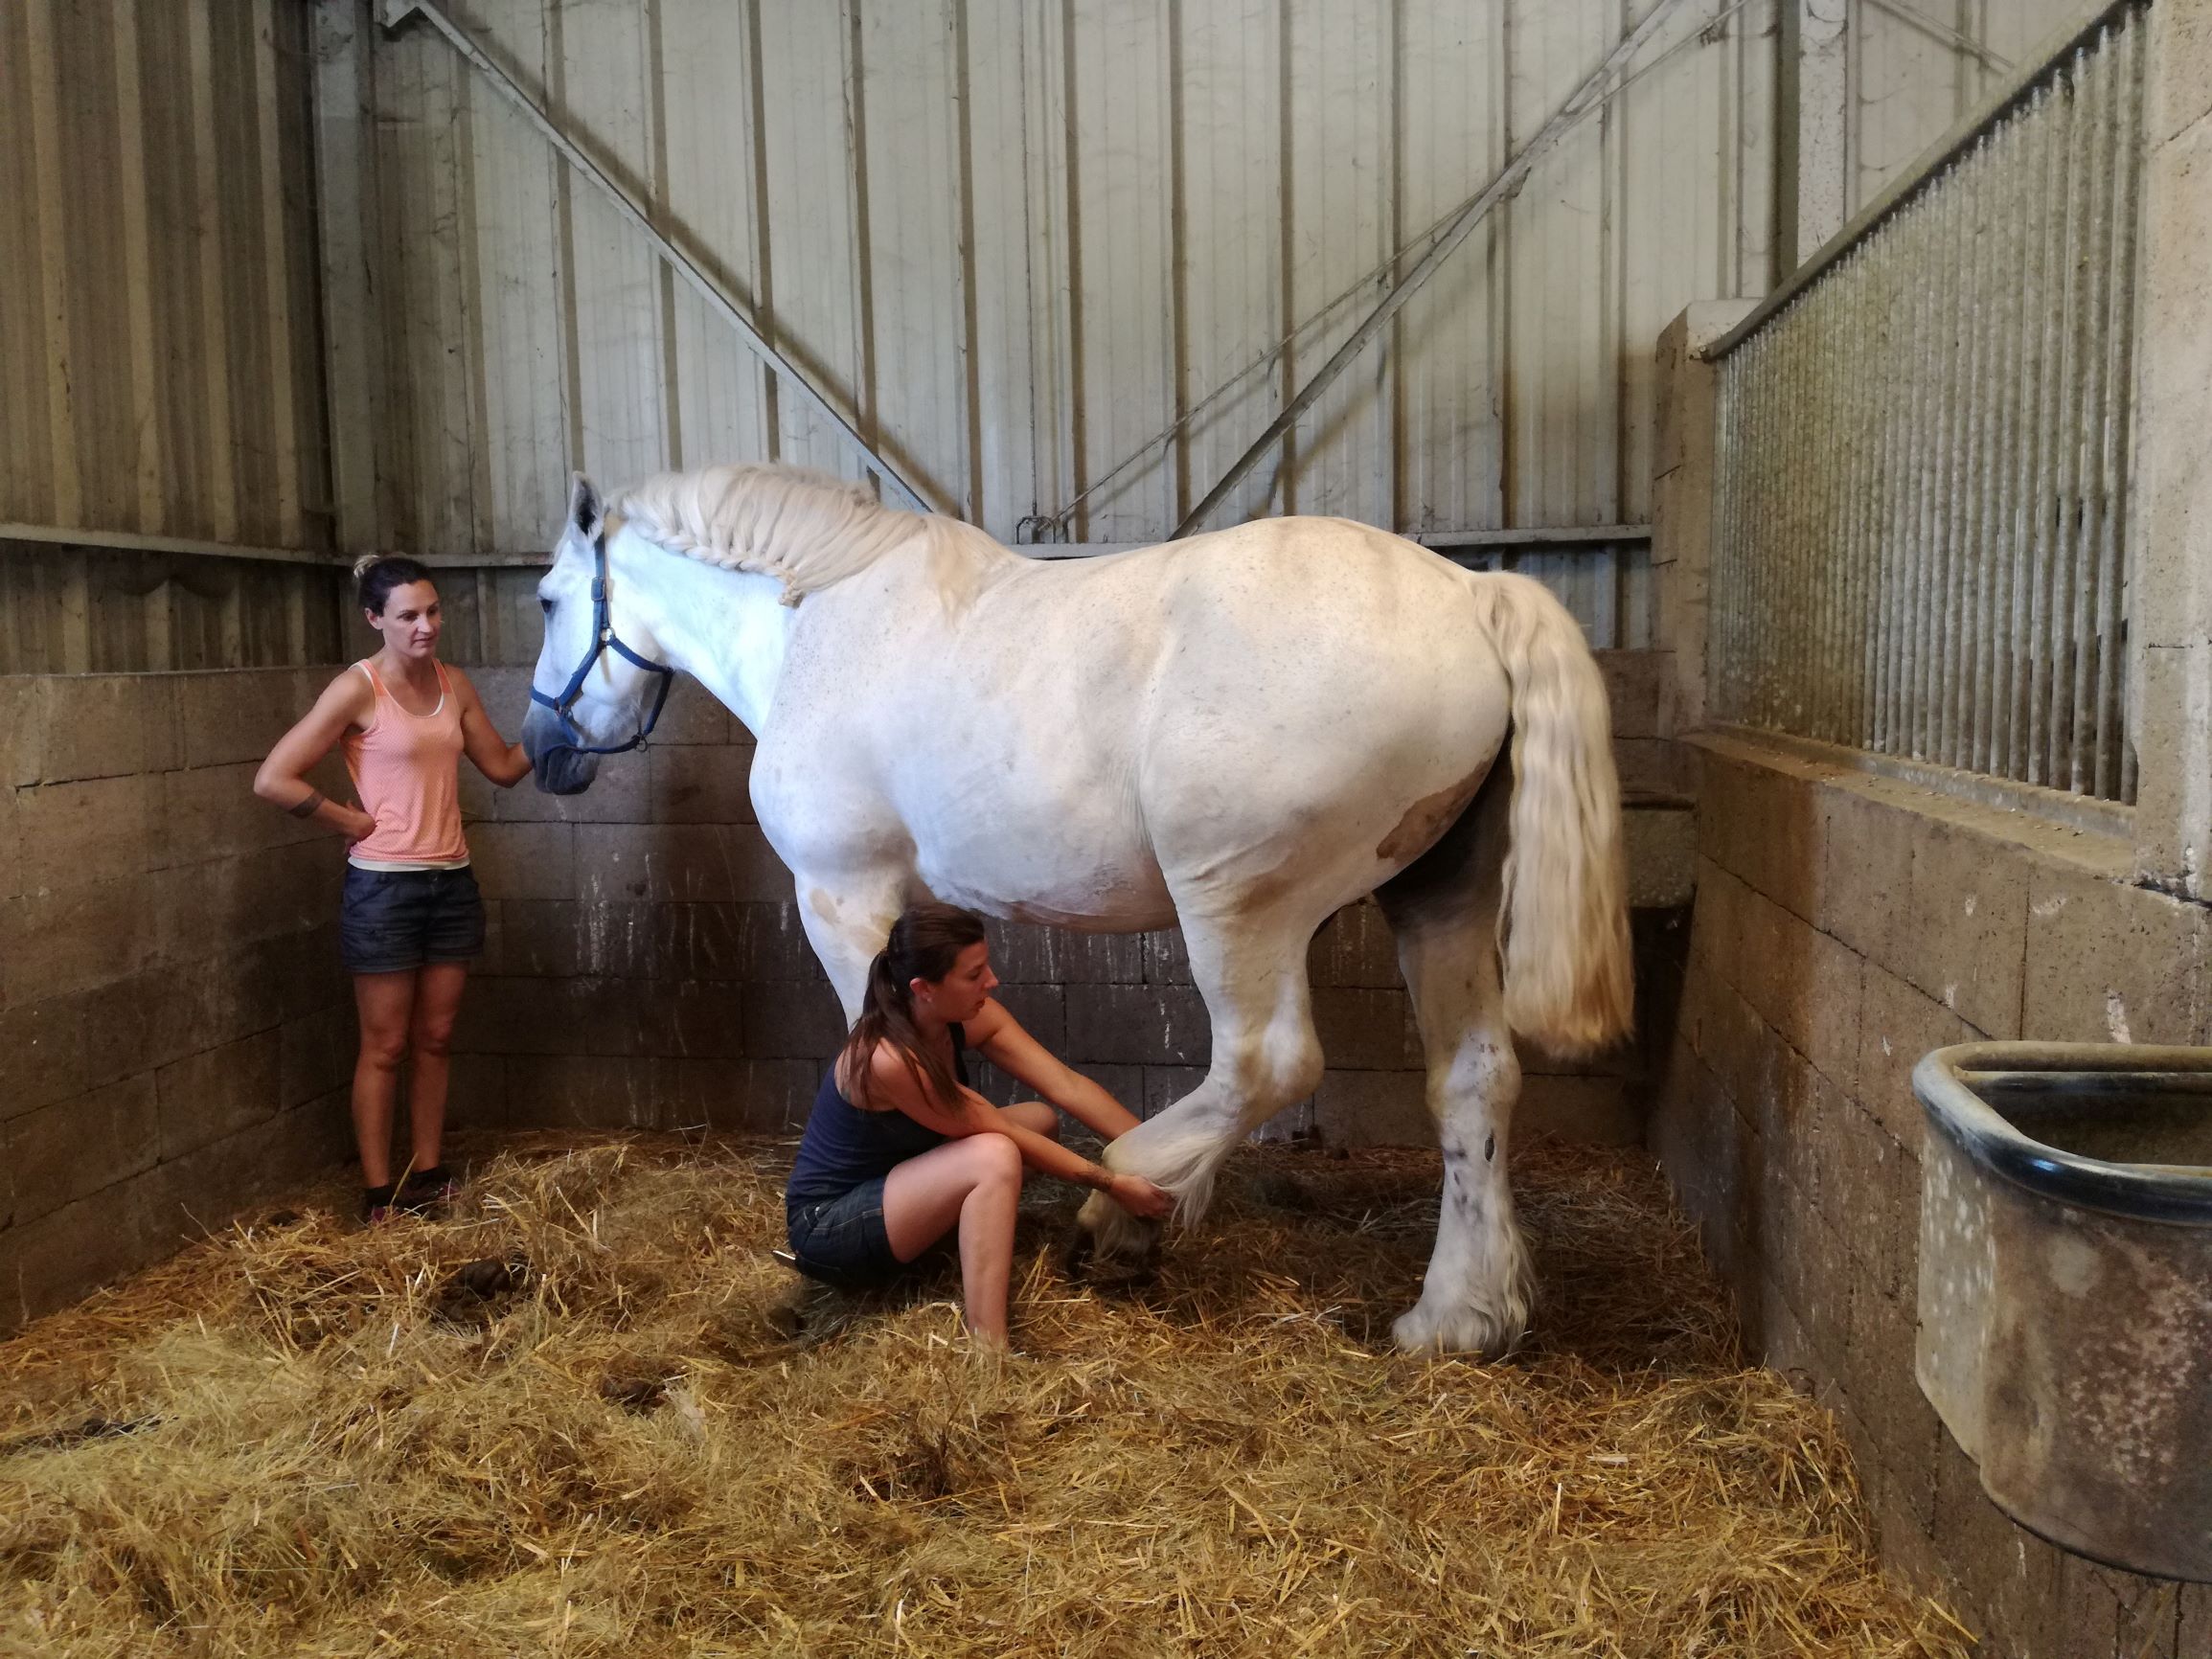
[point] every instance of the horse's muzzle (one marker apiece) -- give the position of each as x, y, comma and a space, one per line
565, 772
560, 769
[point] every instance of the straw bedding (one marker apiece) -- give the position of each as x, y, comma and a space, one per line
589, 1415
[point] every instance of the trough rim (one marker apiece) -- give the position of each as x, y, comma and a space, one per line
2174, 1194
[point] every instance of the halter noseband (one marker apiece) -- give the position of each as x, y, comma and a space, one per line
602, 640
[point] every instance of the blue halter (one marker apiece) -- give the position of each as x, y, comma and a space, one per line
602, 640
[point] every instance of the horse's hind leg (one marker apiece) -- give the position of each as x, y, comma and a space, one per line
1251, 971
1444, 910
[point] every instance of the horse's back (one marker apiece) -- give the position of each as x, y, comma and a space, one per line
1338, 619
1283, 598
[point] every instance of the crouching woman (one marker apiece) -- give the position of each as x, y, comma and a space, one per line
900, 1151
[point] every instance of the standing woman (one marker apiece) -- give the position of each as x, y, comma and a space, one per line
410, 919
900, 1151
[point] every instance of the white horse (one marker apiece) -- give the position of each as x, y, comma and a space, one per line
1237, 734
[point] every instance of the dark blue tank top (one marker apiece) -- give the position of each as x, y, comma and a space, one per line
845, 1145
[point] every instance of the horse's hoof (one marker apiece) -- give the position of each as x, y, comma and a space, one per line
1081, 1258
1467, 1330
1076, 1249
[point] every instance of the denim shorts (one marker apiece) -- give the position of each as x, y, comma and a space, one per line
390, 921
843, 1240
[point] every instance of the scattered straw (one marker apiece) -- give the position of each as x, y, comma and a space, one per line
624, 1430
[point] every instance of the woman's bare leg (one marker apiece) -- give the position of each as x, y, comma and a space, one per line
384, 1001
430, 1037
1035, 1115
974, 1184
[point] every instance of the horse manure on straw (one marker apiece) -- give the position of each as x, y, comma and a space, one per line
591, 1415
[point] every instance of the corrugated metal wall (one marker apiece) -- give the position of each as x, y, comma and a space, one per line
1016, 240
160, 344
160, 351
1917, 67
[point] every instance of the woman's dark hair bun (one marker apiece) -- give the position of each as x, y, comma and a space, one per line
377, 574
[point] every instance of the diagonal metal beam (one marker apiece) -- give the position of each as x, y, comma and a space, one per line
1955, 38
717, 297
1501, 188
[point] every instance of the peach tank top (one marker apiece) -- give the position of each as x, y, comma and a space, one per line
406, 769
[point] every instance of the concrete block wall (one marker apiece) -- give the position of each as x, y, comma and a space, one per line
175, 1033
1844, 925
645, 965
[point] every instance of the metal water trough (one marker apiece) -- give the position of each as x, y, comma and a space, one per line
2066, 1290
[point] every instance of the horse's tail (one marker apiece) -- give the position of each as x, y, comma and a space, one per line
1563, 926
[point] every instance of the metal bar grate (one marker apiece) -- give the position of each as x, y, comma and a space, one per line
1920, 529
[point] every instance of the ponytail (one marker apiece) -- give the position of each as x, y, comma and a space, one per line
924, 944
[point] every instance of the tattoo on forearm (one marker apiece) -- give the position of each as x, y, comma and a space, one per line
307, 809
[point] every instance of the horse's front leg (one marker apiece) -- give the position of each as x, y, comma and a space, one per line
1252, 974
848, 915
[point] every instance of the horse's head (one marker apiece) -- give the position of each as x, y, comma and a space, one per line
599, 683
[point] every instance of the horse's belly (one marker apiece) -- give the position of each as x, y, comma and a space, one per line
1127, 912
1028, 876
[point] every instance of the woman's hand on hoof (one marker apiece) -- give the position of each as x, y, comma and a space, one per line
1140, 1197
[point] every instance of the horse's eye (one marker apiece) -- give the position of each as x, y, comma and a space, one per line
544, 604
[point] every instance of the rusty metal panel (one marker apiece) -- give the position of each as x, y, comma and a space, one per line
1116, 99
1452, 348
610, 68
519, 382
1924, 486
1341, 227
921, 329
1230, 123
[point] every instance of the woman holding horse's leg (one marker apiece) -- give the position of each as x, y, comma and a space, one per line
900, 1151
410, 919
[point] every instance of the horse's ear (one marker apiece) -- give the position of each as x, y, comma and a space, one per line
584, 514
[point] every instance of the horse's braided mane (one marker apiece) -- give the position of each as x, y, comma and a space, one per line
804, 528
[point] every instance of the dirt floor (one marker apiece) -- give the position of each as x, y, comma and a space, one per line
589, 1415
